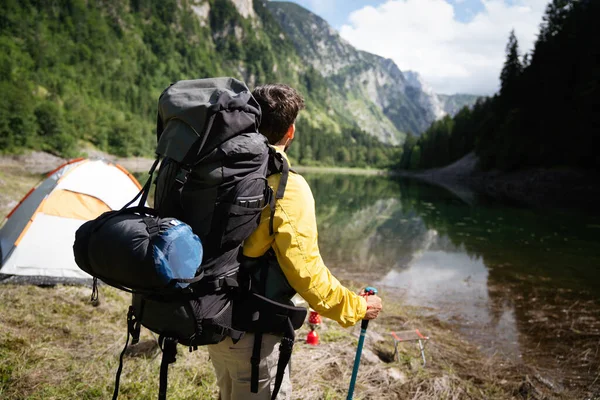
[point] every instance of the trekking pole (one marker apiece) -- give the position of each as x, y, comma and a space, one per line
363, 331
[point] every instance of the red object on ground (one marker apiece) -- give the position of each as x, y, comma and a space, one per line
312, 338
314, 318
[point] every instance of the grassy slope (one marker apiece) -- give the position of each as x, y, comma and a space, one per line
56, 345
14, 183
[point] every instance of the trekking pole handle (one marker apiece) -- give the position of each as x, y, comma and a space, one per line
368, 291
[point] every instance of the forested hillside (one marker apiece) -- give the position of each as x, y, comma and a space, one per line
545, 114
75, 73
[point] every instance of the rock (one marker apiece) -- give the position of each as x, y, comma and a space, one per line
368, 357
375, 336
416, 363
39, 162
396, 375
441, 384
145, 348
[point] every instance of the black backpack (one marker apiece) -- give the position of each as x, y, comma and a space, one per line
213, 178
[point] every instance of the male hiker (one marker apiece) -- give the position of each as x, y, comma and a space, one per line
294, 247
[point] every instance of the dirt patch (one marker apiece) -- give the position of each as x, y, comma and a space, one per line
36, 162
132, 164
19, 173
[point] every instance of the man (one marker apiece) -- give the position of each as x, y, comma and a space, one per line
295, 247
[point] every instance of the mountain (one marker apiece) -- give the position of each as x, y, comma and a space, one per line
439, 105
452, 104
89, 73
424, 95
370, 88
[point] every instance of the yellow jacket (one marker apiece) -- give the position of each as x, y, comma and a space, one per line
295, 244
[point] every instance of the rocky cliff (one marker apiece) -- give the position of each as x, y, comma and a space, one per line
370, 88
383, 100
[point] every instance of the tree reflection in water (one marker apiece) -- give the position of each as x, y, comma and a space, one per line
521, 281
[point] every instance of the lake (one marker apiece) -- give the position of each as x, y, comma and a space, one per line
519, 282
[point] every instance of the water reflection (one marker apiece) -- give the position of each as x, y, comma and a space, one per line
363, 225
523, 282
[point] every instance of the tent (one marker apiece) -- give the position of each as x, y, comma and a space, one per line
36, 240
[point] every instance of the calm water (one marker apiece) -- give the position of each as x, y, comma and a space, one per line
522, 283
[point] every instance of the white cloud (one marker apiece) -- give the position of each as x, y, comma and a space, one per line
452, 56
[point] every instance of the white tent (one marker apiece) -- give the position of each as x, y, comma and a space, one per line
36, 240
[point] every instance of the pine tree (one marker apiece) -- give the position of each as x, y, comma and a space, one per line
526, 60
512, 67
556, 14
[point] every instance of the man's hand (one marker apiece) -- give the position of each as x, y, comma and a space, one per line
374, 306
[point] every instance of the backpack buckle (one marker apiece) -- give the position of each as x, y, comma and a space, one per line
183, 175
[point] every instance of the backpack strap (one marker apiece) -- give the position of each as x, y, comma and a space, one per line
145, 189
191, 156
133, 331
285, 354
255, 362
151, 226
277, 163
168, 345
210, 285
255, 358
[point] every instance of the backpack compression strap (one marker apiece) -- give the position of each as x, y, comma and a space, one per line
190, 158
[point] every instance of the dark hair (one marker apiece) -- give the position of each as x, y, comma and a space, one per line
280, 105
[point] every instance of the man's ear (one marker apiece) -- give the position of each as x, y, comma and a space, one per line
291, 131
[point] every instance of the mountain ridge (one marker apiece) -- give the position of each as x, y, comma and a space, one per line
402, 97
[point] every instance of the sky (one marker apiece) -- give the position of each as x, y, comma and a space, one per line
458, 46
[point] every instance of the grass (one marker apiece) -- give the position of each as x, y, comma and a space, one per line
14, 184
55, 345
341, 170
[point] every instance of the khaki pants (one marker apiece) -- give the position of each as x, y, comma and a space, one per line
233, 368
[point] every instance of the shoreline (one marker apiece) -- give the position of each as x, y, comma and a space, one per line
566, 188
535, 187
